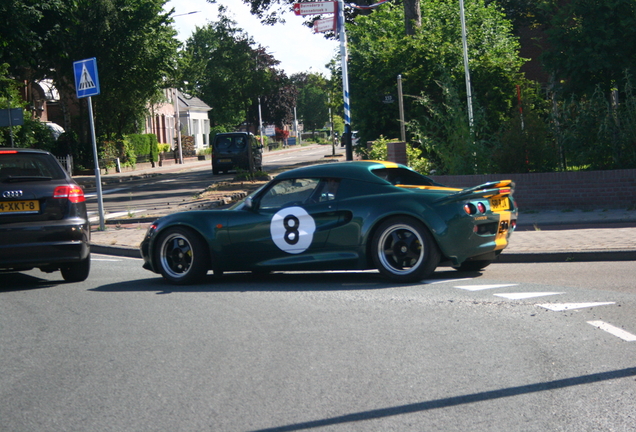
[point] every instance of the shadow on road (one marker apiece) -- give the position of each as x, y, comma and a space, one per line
23, 282
276, 282
457, 400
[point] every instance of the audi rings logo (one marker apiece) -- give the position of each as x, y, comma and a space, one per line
12, 194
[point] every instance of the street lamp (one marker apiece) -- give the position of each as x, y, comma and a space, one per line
187, 13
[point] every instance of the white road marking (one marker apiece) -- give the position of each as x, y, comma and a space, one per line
483, 287
527, 295
439, 281
615, 331
560, 307
105, 192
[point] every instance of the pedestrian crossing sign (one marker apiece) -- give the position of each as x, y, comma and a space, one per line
86, 79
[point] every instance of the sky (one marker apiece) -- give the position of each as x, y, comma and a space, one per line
296, 46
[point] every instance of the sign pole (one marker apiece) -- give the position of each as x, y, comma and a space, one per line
401, 107
98, 180
87, 85
345, 79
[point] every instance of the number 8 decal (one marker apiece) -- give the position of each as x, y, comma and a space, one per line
292, 229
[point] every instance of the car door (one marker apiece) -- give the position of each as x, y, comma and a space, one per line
291, 218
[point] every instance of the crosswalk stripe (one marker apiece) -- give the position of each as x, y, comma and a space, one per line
615, 331
526, 295
483, 287
560, 307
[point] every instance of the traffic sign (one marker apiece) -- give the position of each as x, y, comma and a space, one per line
86, 79
11, 117
314, 8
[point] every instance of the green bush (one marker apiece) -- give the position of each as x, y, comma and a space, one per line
154, 147
140, 144
122, 149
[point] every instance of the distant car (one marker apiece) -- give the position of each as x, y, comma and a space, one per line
236, 151
355, 139
339, 216
43, 219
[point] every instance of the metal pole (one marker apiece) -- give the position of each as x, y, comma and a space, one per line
333, 138
260, 121
296, 128
177, 124
10, 123
345, 79
98, 179
401, 103
469, 95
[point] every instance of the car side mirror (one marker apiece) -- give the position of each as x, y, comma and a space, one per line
249, 203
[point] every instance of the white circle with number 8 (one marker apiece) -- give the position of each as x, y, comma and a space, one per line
292, 229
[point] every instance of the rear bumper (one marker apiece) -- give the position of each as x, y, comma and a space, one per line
25, 245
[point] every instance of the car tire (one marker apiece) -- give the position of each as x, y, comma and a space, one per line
403, 250
473, 266
77, 271
182, 256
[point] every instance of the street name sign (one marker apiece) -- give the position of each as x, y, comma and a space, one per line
325, 25
314, 8
86, 79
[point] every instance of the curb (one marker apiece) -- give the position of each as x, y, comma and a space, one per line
556, 257
116, 251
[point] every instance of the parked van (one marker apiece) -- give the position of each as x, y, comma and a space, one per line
236, 151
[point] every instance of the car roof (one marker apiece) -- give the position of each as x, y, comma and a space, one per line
358, 170
21, 150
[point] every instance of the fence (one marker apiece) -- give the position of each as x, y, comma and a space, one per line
66, 162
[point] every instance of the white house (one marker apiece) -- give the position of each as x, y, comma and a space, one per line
193, 118
193, 115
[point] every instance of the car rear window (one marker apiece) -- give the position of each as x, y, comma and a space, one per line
16, 166
229, 143
403, 176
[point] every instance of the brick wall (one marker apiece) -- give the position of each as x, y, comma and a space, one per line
396, 152
563, 190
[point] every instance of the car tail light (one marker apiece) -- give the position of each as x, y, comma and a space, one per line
481, 207
8, 151
470, 209
73, 193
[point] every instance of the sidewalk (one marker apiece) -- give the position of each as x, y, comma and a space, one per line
546, 236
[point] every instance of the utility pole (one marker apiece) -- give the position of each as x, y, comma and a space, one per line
345, 80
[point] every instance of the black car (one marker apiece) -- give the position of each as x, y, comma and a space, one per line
236, 151
43, 219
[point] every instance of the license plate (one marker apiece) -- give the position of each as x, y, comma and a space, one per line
225, 160
31, 206
499, 204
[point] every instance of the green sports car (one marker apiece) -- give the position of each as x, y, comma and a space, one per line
339, 216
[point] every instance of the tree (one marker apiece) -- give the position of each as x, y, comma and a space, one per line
133, 42
431, 64
591, 43
218, 61
313, 100
229, 72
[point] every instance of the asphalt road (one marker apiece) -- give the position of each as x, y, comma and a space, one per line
517, 348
